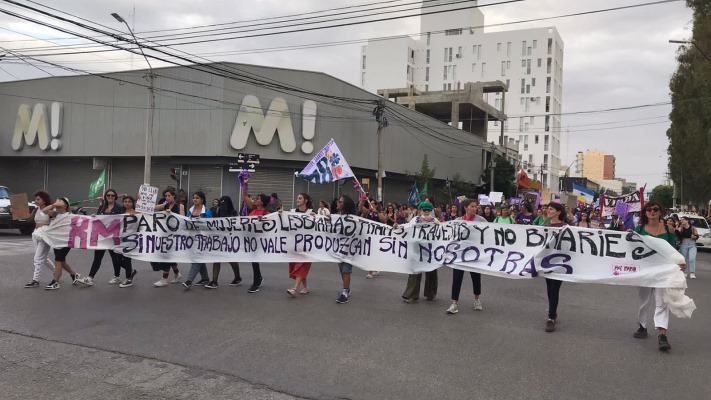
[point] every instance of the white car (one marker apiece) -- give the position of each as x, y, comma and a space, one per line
702, 227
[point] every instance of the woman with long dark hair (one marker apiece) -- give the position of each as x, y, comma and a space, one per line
225, 208
198, 210
108, 206
584, 221
170, 204
688, 235
557, 217
299, 271
129, 207
652, 299
259, 208
345, 206
41, 219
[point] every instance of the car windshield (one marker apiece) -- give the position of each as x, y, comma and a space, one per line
4, 193
699, 223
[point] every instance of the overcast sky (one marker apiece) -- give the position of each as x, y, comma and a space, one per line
612, 59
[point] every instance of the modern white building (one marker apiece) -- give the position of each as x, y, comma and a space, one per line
454, 49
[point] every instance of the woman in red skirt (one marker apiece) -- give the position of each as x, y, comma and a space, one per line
298, 271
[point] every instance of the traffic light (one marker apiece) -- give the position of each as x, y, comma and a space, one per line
175, 174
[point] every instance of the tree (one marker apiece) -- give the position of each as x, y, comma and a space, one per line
690, 131
663, 195
504, 177
424, 176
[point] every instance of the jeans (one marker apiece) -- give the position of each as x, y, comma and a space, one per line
194, 268
688, 250
458, 277
41, 258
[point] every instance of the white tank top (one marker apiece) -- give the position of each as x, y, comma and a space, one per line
41, 217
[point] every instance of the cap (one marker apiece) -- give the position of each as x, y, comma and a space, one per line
425, 206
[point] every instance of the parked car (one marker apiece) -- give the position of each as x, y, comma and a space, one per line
702, 227
6, 221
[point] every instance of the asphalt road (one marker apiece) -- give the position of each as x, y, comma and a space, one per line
168, 343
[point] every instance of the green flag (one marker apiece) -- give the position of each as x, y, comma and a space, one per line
97, 186
423, 192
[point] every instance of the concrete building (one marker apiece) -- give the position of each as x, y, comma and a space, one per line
453, 49
598, 165
58, 133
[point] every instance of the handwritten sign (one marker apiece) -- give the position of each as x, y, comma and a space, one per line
512, 251
483, 200
146, 201
18, 204
496, 197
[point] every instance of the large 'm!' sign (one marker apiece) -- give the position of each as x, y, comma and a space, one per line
36, 126
514, 251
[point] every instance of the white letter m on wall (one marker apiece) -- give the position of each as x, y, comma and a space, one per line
28, 129
276, 120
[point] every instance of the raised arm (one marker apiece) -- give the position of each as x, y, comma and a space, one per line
245, 195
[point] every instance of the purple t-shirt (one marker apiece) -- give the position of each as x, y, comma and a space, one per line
523, 219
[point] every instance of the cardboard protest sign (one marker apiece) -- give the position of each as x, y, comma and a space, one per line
18, 204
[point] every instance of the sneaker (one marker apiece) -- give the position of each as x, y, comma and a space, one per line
187, 285
115, 280
411, 301
305, 291
343, 298
161, 282
236, 282
54, 285
550, 325
87, 280
211, 285
663, 343
291, 291
453, 309
31, 285
692, 276
641, 333
75, 278
255, 286
177, 278
202, 282
477, 305
126, 283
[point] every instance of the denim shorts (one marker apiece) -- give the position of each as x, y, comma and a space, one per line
345, 267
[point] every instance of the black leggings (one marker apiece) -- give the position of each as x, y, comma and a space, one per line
553, 287
458, 277
98, 256
126, 265
257, 272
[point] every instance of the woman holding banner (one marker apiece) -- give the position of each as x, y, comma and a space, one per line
170, 204
652, 224
225, 208
298, 271
108, 206
557, 217
470, 206
41, 220
345, 206
259, 207
198, 210
60, 209
412, 290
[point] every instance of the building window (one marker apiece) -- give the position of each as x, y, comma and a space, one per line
427, 74
508, 83
449, 86
508, 64
528, 51
522, 100
525, 143
445, 72
503, 68
496, 104
362, 79
444, 86
528, 67
498, 47
548, 84
520, 127
523, 48
549, 65
363, 62
454, 72
530, 160
459, 52
535, 44
535, 139
523, 86
548, 104
545, 161
528, 89
533, 81
531, 121
427, 88
523, 63
429, 36
550, 46
428, 57
508, 49
453, 32
483, 69
525, 127
544, 179
496, 123
548, 120
540, 62
473, 67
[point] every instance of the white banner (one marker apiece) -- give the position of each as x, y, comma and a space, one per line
513, 251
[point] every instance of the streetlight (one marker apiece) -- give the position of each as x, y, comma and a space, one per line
151, 107
692, 43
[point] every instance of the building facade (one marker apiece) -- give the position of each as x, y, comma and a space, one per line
453, 49
598, 165
59, 133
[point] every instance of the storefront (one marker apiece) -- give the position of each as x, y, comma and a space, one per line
60, 133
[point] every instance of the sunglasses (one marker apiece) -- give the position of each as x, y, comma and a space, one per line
653, 209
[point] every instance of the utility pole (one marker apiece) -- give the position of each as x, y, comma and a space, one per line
151, 106
379, 113
493, 166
